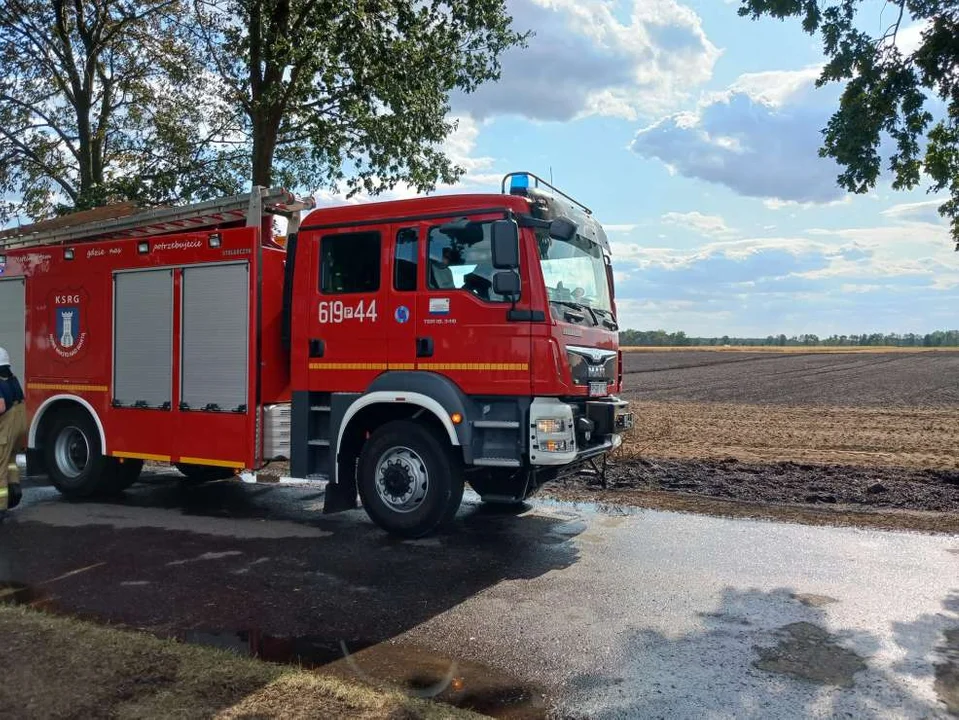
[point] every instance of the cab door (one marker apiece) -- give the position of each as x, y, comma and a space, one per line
348, 337
406, 280
464, 330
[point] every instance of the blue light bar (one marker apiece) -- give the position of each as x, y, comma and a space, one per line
518, 184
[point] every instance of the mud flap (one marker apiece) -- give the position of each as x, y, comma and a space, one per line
341, 495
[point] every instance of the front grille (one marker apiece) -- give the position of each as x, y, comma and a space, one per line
590, 365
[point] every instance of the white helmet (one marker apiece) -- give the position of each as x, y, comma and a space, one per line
4, 357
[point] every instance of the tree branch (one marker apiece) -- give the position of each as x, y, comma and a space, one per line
31, 155
32, 108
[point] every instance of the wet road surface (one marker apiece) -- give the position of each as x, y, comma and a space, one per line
555, 610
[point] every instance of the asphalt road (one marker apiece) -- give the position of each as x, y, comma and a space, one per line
565, 610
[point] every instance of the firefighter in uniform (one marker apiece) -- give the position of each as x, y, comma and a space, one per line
13, 425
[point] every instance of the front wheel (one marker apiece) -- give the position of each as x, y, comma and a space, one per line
408, 479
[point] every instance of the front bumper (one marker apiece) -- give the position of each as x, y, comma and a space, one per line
591, 428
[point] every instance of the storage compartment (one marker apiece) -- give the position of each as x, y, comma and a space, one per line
13, 330
216, 338
143, 338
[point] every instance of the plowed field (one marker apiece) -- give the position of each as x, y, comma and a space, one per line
857, 379
798, 432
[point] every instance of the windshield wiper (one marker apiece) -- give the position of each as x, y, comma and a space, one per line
578, 306
608, 320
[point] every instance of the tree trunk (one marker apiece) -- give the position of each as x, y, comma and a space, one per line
266, 133
264, 149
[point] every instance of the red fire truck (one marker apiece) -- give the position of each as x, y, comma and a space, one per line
393, 350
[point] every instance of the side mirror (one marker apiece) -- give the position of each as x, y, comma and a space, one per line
505, 245
507, 284
562, 229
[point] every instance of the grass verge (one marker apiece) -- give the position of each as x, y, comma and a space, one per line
58, 667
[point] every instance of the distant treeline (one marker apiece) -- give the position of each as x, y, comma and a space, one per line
661, 338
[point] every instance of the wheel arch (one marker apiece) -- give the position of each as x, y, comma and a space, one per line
48, 410
377, 408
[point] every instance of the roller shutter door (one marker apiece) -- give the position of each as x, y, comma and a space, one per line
143, 338
216, 324
13, 331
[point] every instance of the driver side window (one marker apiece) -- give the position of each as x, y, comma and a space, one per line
460, 258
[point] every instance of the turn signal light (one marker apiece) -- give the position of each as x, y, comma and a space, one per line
554, 445
456, 418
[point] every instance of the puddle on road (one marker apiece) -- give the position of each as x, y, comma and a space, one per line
947, 673
409, 669
813, 600
807, 651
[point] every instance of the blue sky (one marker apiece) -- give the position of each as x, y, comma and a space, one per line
692, 133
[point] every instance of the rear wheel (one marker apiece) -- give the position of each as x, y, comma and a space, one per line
205, 473
408, 480
74, 455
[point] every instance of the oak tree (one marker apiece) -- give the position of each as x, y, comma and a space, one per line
907, 98
100, 102
351, 91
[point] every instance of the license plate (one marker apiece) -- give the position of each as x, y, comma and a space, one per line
598, 388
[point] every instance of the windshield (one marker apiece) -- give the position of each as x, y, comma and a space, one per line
574, 270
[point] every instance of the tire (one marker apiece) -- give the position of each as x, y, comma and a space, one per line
74, 456
408, 480
196, 474
124, 474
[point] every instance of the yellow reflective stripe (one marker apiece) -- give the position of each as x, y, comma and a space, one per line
3, 492
65, 387
140, 456
348, 366
474, 367
214, 463
464, 367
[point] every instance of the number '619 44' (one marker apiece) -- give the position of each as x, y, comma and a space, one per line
336, 311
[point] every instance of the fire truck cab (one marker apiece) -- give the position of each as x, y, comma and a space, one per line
393, 350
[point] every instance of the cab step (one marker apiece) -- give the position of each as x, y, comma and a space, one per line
497, 462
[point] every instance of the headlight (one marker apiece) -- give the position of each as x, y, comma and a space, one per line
550, 426
555, 435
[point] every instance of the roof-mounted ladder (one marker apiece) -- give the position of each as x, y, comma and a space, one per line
249, 207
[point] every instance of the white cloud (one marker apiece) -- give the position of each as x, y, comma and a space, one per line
909, 39
459, 146
760, 138
708, 225
925, 211
583, 60
621, 228
843, 280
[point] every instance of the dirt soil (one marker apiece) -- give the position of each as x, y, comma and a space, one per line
879, 497
868, 439
896, 437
